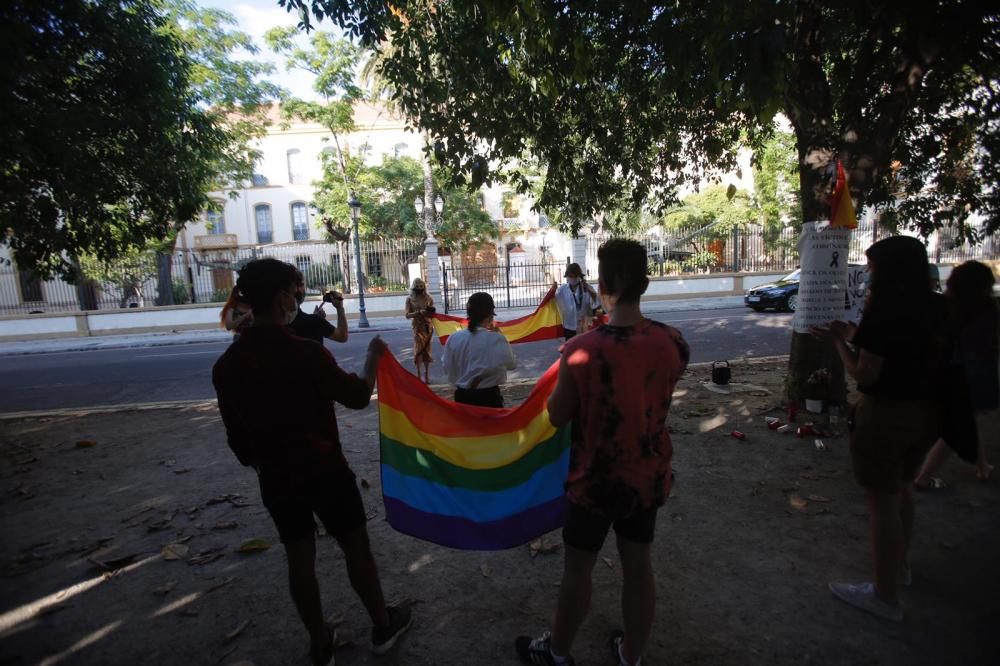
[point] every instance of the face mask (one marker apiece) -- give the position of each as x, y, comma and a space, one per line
299, 297
419, 290
573, 281
291, 314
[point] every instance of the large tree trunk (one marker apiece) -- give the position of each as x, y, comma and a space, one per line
809, 106
164, 278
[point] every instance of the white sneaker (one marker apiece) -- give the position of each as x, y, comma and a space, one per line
862, 595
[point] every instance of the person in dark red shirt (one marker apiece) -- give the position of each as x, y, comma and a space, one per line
276, 395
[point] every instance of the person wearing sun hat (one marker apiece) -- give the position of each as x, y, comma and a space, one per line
576, 300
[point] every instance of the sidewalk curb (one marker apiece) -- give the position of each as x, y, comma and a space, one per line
212, 402
105, 409
208, 336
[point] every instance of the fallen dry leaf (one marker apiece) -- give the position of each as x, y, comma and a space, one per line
175, 551
209, 555
365, 484
485, 570
608, 561
254, 546
86, 444
182, 470
220, 584
26, 460
818, 498
798, 502
232, 635
165, 589
232, 525
52, 608
117, 563
343, 638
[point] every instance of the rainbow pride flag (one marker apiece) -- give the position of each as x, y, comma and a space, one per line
469, 477
545, 323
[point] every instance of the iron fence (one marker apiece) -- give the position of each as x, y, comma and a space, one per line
203, 276
207, 275
513, 284
755, 249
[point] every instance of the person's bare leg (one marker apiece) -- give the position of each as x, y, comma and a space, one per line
574, 598
935, 460
363, 573
638, 596
304, 586
887, 542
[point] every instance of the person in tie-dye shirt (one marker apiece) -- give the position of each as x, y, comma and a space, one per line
615, 387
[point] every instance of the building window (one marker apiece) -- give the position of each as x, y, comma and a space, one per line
294, 157
31, 287
265, 230
215, 221
300, 222
399, 149
511, 205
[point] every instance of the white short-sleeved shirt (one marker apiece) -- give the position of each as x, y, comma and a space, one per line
570, 309
484, 354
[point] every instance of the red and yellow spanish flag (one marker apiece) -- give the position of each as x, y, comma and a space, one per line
841, 206
469, 477
545, 323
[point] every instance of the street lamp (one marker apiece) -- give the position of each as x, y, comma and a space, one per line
355, 215
434, 218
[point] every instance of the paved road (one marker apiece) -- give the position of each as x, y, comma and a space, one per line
183, 372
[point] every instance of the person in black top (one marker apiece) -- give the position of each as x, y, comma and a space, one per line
276, 395
895, 355
315, 326
975, 329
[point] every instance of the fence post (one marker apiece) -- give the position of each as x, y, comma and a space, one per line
431, 263
507, 272
579, 246
444, 286
736, 250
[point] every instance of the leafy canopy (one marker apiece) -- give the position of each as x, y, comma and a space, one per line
387, 191
108, 135
623, 103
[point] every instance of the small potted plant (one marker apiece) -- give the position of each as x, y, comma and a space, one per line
817, 390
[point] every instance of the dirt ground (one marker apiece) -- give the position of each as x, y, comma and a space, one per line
121, 531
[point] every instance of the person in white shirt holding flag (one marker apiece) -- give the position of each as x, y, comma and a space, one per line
477, 358
576, 300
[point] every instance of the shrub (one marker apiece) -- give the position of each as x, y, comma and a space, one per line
181, 293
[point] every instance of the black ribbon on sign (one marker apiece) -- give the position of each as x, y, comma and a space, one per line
836, 260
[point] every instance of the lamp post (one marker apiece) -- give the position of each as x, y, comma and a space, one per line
434, 218
355, 214
430, 213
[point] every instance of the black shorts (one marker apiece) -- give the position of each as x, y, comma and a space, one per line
334, 498
487, 397
586, 530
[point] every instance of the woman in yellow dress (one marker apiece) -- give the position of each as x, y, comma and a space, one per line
419, 308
